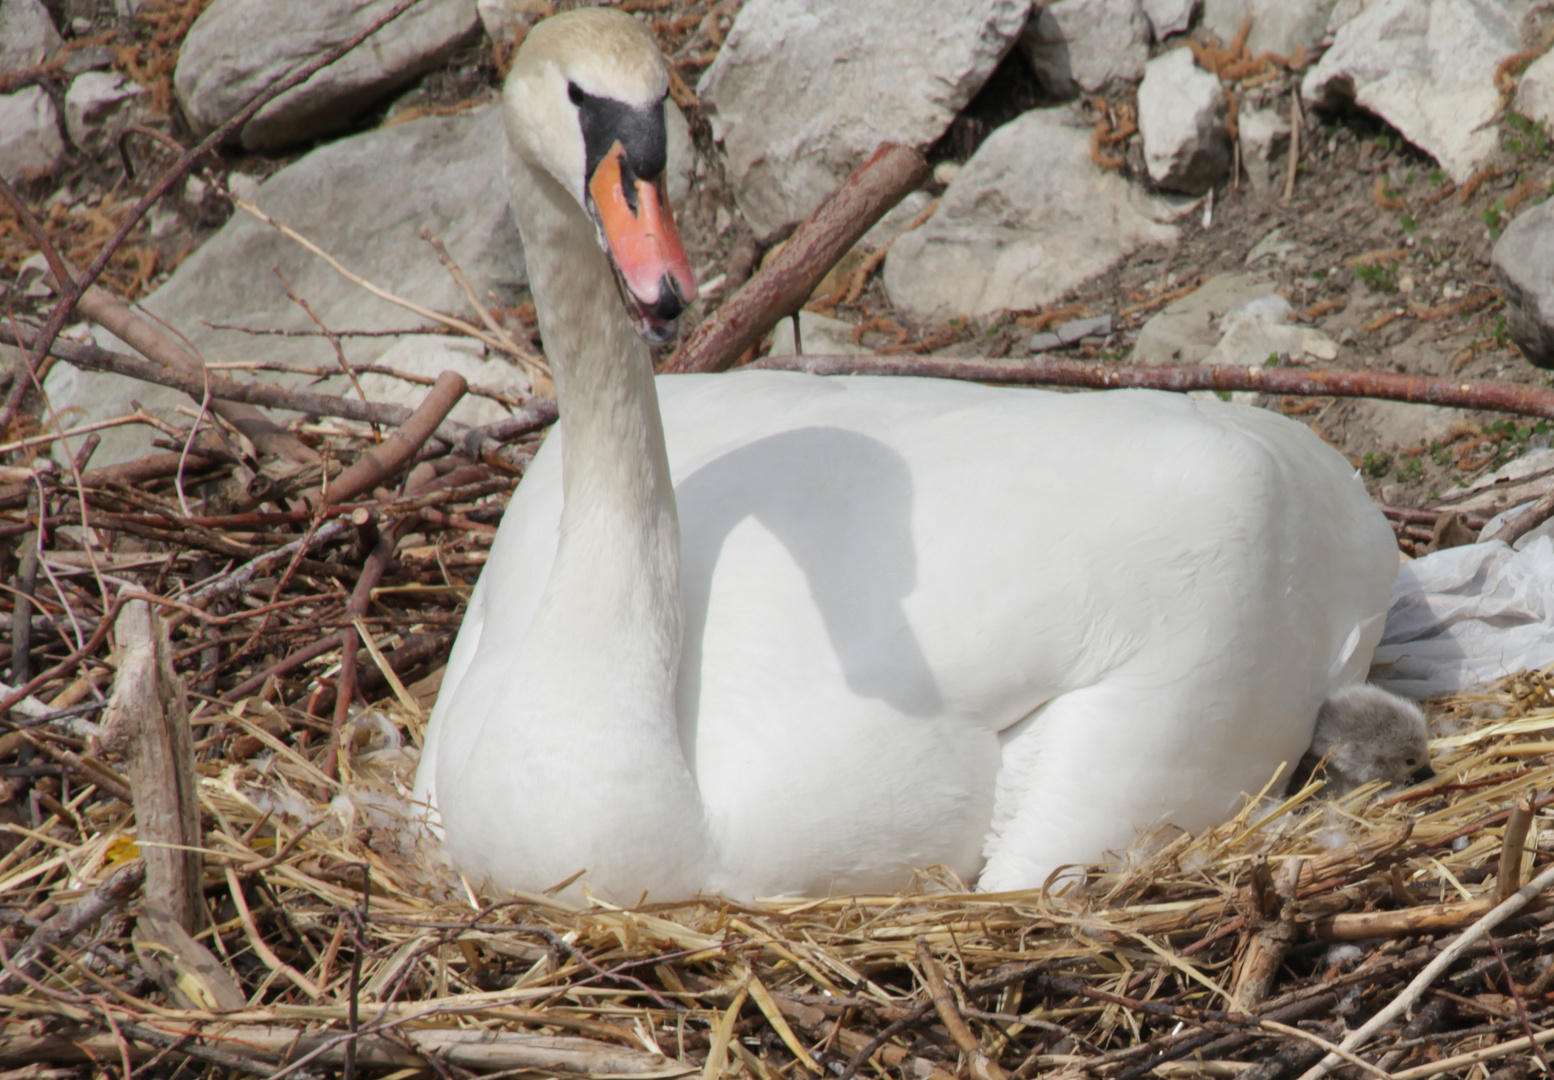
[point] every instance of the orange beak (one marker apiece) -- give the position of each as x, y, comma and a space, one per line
644, 247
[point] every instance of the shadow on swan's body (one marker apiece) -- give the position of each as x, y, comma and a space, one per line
806, 634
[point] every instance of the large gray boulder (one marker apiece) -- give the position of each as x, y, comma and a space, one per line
30, 144
804, 90
27, 35
1524, 266
1076, 45
1027, 219
1427, 67
1278, 26
239, 47
364, 200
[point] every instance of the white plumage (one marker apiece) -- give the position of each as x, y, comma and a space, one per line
811, 634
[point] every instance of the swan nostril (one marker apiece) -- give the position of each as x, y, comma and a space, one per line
670, 303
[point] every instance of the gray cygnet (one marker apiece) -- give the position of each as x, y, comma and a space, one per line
1365, 733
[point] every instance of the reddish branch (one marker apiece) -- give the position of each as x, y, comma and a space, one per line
1046, 371
395, 452
788, 279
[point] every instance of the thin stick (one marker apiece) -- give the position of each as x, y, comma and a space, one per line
1493, 397
1295, 125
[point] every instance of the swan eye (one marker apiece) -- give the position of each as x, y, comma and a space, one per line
574, 93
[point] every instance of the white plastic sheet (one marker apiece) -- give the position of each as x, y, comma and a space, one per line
1466, 616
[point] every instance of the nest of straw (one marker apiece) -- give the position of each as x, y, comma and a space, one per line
1248, 950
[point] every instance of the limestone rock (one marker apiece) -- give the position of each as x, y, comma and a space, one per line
1264, 134
98, 107
239, 47
1535, 93
1524, 265
818, 334
427, 354
30, 143
506, 21
1027, 219
1187, 330
1278, 26
803, 91
1182, 123
363, 199
1075, 45
27, 35
1167, 17
1427, 67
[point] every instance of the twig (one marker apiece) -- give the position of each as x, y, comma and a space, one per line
1514, 528
1295, 125
1493, 397
780, 288
531, 361
383, 461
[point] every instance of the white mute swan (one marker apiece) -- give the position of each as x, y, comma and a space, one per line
803, 635
1365, 733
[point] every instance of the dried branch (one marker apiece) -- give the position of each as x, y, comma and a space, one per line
1048, 371
780, 288
106, 898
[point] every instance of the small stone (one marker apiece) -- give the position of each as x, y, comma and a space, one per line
98, 107
1070, 333
91, 58
945, 172
1167, 17
1182, 120
1535, 93
30, 143
27, 35
30, 277
1045, 342
820, 335
1405, 284
1524, 266
1075, 45
1264, 134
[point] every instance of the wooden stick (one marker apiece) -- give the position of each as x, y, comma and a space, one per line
395, 452
1514, 528
782, 286
1493, 397
147, 722
1508, 875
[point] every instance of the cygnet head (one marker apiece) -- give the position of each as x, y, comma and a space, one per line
585, 104
1366, 733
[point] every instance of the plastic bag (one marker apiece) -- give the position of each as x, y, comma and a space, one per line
1466, 616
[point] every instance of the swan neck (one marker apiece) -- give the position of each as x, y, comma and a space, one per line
619, 549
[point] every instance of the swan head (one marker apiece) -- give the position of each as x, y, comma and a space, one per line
585, 103
1367, 733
